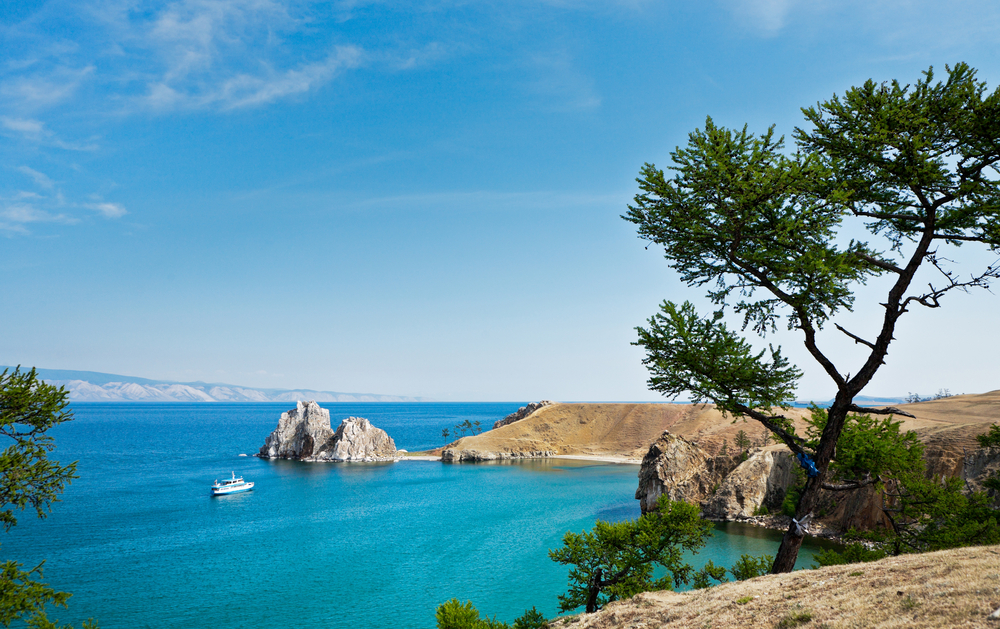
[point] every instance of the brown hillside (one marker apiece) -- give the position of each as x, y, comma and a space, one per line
948, 426
950, 588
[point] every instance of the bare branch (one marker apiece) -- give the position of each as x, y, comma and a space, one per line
882, 264
857, 339
794, 442
931, 299
852, 485
888, 410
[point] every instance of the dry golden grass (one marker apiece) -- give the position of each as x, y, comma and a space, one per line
951, 588
625, 430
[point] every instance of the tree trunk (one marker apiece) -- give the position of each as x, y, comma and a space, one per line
594, 591
791, 542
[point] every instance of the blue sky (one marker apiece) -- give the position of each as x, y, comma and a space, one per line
409, 198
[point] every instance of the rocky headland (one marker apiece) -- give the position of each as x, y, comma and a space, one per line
305, 433
688, 452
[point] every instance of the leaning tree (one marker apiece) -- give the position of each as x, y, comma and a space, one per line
766, 231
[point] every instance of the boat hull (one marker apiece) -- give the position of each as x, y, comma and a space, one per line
224, 491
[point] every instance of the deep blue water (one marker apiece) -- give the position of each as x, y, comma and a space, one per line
139, 541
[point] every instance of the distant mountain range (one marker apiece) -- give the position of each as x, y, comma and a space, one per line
93, 386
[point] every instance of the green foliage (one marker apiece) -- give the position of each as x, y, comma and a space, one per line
531, 619
28, 478
794, 492
794, 619
703, 578
28, 408
761, 510
991, 438
685, 353
456, 615
869, 447
742, 440
748, 567
763, 230
743, 600
855, 552
616, 560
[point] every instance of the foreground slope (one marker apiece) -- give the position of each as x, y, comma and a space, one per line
950, 588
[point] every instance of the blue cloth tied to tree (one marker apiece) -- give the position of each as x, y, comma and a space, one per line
807, 464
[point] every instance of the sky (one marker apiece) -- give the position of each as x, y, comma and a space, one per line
414, 198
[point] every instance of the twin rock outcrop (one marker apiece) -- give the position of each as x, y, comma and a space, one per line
305, 434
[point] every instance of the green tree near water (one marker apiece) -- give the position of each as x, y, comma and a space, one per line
763, 230
615, 560
29, 479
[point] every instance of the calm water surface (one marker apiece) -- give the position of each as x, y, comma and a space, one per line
139, 541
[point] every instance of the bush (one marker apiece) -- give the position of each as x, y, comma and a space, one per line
455, 615
532, 619
749, 567
855, 552
991, 438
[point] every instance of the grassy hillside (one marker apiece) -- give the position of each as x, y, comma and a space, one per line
951, 588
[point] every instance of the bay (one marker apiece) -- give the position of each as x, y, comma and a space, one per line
140, 542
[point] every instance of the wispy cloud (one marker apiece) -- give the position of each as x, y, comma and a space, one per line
47, 204
763, 17
108, 210
227, 54
247, 90
559, 83
41, 179
35, 131
14, 217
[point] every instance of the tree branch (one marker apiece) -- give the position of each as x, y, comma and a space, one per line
857, 339
882, 264
852, 485
888, 410
794, 442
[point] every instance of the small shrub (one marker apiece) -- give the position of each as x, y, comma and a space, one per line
856, 573
852, 553
749, 567
532, 619
909, 603
702, 578
794, 619
455, 615
743, 600
761, 510
991, 438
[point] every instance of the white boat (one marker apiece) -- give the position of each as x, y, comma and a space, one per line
232, 485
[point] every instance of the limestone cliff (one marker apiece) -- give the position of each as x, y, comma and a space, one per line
681, 470
760, 481
305, 434
980, 465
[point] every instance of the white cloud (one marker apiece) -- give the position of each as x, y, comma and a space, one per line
765, 17
15, 216
35, 131
108, 210
41, 179
560, 84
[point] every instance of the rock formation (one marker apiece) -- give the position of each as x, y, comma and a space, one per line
761, 480
305, 434
979, 465
521, 413
452, 455
680, 469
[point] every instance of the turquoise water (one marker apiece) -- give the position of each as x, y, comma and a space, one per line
139, 541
